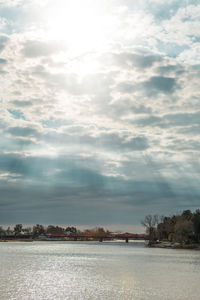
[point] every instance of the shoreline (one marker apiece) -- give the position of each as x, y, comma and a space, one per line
165, 245
160, 245
67, 240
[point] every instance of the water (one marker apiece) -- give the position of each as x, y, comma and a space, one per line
97, 271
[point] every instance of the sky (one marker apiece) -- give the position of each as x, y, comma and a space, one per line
99, 111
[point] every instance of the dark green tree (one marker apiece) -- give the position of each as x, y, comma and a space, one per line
51, 229
18, 229
187, 214
71, 229
38, 230
2, 232
196, 223
183, 231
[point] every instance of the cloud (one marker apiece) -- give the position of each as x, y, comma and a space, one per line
108, 134
22, 103
23, 131
132, 144
171, 120
192, 130
3, 41
159, 84
34, 48
124, 106
154, 86
173, 69
3, 61
102, 140
138, 59
17, 114
68, 185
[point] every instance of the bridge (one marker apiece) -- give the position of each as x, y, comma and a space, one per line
98, 236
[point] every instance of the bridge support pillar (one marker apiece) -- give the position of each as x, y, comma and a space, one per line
126, 240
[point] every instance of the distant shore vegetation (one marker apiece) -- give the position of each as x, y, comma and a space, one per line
180, 230
52, 232
20, 231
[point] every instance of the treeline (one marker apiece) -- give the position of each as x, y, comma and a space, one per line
182, 228
37, 230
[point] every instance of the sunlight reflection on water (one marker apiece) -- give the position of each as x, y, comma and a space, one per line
80, 270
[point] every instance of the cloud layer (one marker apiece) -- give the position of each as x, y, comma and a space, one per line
100, 110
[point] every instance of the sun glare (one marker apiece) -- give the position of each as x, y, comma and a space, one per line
81, 24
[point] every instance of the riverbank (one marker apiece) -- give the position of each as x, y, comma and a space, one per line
69, 240
170, 245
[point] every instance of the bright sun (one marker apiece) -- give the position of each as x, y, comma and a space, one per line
81, 24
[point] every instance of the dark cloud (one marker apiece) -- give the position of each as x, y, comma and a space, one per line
92, 199
191, 130
36, 48
17, 114
114, 142
172, 69
12, 143
22, 103
159, 84
171, 120
142, 109
82, 176
71, 171
153, 87
138, 60
3, 41
23, 131
14, 164
78, 190
124, 107
111, 141
183, 145
3, 61
128, 87
183, 119
60, 81
149, 121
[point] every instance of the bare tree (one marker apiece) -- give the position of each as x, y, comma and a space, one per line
150, 222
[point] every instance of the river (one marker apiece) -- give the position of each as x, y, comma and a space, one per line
97, 271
